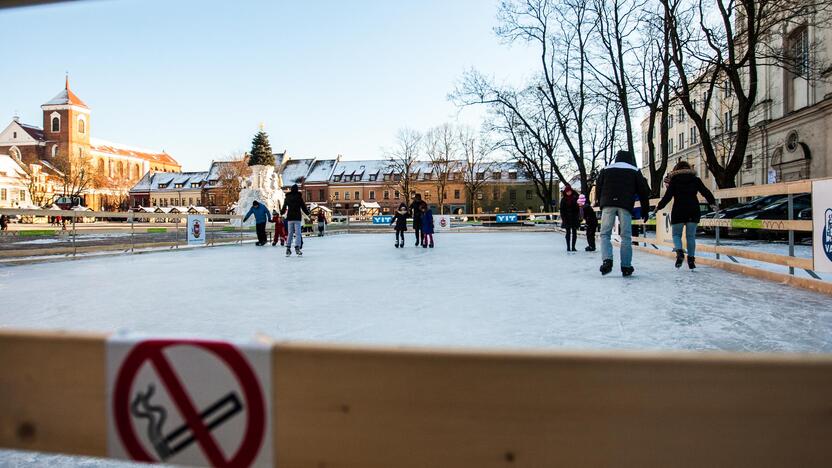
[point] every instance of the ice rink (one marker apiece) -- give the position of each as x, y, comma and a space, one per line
479, 289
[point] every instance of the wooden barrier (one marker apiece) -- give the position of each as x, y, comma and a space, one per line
785, 260
383, 407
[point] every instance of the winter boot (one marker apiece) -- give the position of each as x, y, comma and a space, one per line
627, 271
691, 262
680, 257
397, 244
606, 267
298, 251
431, 244
288, 251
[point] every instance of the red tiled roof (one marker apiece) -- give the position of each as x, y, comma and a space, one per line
147, 155
66, 97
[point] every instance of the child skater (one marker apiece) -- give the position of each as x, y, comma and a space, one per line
279, 229
591, 220
400, 222
321, 222
427, 226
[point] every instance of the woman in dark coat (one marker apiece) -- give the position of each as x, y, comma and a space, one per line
569, 216
682, 188
399, 223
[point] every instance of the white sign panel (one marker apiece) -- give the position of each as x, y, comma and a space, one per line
196, 229
822, 225
441, 222
189, 402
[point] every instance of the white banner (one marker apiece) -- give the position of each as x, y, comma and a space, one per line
441, 222
189, 402
196, 229
822, 225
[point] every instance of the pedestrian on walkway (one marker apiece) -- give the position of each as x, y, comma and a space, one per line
683, 187
569, 216
294, 208
617, 187
261, 216
591, 220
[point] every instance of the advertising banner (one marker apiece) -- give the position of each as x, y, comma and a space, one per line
196, 230
507, 218
384, 219
822, 225
441, 223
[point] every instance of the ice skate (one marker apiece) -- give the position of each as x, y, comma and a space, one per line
691, 262
606, 267
288, 251
627, 271
430, 245
680, 258
397, 244
298, 251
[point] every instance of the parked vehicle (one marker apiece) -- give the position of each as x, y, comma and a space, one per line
740, 209
779, 210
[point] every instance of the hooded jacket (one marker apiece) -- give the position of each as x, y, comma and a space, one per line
427, 222
569, 214
619, 183
260, 212
400, 219
683, 187
416, 212
294, 205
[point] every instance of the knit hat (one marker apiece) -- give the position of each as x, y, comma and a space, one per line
581, 200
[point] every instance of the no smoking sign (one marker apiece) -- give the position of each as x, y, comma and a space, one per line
189, 402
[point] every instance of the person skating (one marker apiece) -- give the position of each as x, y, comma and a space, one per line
279, 229
591, 220
682, 188
427, 226
321, 222
400, 224
261, 216
294, 208
416, 214
617, 187
569, 216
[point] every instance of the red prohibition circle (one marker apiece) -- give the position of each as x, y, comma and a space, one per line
151, 350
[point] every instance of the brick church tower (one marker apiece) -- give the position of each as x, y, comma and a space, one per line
66, 125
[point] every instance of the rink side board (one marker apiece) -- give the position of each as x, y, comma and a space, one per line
381, 407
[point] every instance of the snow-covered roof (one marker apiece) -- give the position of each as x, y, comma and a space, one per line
9, 167
295, 171
321, 171
509, 172
152, 181
371, 205
358, 171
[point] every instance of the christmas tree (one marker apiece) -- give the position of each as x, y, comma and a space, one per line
261, 150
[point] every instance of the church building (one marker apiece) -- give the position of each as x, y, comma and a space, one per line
98, 172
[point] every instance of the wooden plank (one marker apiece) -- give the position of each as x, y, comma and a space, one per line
767, 224
784, 260
52, 392
783, 188
351, 407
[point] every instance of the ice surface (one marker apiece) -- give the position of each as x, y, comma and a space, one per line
481, 289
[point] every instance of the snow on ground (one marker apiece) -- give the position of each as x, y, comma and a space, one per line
485, 290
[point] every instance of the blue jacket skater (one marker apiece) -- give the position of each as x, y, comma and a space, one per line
427, 222
260, 212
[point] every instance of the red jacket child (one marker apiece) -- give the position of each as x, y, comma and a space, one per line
279, 229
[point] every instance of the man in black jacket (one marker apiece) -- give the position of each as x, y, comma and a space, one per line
416, 214
616, 190
293, 208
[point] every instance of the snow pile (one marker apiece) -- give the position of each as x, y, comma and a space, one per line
262, 185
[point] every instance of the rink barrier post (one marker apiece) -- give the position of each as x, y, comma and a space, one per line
413, 407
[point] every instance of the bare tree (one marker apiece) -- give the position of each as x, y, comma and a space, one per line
401, 162
231, 172
720, 45
476, 166
76, 175
442, 150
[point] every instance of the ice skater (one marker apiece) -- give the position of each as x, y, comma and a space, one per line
279, 229
261, 215
591, 220
569, 216
427, 226
400, 224
617, 187
682, 188
321, 222
416, 214
294, 208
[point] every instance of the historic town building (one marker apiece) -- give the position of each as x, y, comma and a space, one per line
64, 147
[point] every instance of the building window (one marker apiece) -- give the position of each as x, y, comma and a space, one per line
693, 136
397, 195
497, 175
336, 178
3, 194
337, 196
373, 177
309, 195
512, 195
495, 194
727, 90
480, 175
101, 168
56, 123
386, 194
479, 195
799, 51
22, 195
729, 122
161, 186
82, 125
680, 114
321, 194
346, 195
670, 121
749, 161
372, 194
512, 175
177, 185
80, 153
681, 140
427, 194
426, 176
357, 195
456, 194
670, 146
54, 150
194, 184
528, 194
